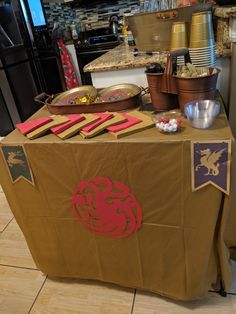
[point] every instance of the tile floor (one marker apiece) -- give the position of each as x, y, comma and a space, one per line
24, 289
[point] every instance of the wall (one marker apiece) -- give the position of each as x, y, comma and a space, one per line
59, 12
93, 16
224, 78
98, 15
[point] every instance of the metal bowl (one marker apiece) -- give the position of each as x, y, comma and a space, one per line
202, 113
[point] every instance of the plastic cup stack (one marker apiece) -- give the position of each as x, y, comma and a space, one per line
202, 44
179, 39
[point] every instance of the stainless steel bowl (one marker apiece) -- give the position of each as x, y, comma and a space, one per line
202, 113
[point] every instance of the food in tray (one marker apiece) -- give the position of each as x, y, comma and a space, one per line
111, 96
167, 125
190, 71
83, 94
86, 99
115, 95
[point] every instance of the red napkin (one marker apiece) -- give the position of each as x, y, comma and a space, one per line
103, 118
74, 118
125, 125
28, 126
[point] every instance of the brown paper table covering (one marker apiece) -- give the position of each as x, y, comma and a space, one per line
185, 240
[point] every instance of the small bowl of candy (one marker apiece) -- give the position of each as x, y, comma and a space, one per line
168, 122
167, 125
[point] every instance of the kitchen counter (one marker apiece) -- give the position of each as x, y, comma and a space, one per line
122, 57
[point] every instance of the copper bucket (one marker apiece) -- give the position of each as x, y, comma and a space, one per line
160, 100
196, 88
162, 86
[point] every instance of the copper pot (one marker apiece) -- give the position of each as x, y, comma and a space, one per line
58, 104
160, 100
196, 88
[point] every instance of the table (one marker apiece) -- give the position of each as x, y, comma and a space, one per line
185, 239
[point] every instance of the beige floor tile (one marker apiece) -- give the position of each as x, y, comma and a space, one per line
149, 303
5, 212
1, 190
18, 289
13, 248
82, 297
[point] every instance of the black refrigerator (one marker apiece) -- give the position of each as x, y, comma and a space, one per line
29, 62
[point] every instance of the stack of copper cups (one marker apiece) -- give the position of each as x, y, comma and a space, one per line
202, 45
179, 39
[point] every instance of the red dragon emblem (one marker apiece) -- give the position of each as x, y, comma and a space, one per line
107, 208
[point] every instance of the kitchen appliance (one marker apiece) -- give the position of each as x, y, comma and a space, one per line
46, 52
27, 65
19, 75
91, 45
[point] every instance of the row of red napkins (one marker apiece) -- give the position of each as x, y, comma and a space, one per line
66, 126
98, 123
30, 126
56, 124
95, 125
89, 125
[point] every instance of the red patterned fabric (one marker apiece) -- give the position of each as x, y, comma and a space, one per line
68, 68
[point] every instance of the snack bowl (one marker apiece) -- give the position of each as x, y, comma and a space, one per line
201, 113
168, 122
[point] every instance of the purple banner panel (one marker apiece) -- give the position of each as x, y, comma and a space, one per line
211, 165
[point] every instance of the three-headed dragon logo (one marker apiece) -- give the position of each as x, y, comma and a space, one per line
107, 208
210, 160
